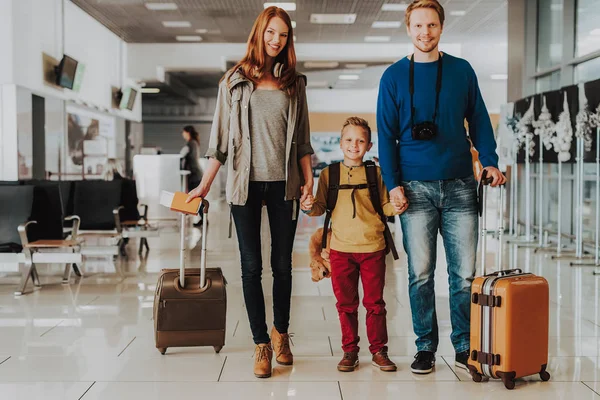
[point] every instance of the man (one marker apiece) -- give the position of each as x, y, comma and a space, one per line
426, 163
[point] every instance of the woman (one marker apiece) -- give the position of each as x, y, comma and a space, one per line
261, 126
190, 153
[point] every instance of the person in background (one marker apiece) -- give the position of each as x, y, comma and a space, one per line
190, 155
261, 129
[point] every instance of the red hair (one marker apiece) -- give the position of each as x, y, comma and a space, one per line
253, 64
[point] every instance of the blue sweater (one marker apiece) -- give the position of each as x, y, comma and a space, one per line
448, 155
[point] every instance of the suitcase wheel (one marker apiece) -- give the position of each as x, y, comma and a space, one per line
544, 375
477, 377
217, 348
509, 384
162, 350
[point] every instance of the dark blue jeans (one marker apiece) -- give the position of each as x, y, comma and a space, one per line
450, 208
282, 223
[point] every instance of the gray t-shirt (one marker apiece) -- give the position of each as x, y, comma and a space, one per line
268, 131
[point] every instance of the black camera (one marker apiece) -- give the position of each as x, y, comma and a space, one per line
424, 131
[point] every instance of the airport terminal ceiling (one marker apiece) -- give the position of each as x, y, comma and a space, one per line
229, 21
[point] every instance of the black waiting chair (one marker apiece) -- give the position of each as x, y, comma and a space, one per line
133, 224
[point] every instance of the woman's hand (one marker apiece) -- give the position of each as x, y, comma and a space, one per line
307, 190
200, 191
307, 204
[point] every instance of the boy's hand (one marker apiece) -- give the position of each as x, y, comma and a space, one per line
398, 199
307, 204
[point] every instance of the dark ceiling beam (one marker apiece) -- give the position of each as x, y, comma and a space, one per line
181, 89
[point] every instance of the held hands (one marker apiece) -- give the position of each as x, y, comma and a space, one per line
307, 204
495, 174
398, 199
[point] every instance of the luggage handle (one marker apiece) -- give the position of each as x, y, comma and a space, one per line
506, 272
182, 247
484, 182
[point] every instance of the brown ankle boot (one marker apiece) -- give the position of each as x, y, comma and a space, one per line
281, 347
382, 361
349, 363
262, 360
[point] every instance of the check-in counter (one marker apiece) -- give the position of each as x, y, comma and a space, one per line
154, 173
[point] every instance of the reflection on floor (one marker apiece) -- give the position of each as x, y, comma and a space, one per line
93, 339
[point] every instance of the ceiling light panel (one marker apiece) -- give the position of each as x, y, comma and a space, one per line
161, 6
394, 7
458, 13
386, 24
332, 18
189, 38
177, 24
377, 39
286, 6
321, 64
348, 77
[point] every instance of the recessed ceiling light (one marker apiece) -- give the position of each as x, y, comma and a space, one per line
458, 13
595, 32
321, 64
378, 38
499, 77
189, 38
177, 24
348, 77
150, 90
332, 18
556, 7
394, 7
356, 66
294, 24
161, 6
203, 30
285, 6
386, 24
295, 38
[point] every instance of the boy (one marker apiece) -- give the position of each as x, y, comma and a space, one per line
358, 244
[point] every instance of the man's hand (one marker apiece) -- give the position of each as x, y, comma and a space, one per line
495, 174
398, 199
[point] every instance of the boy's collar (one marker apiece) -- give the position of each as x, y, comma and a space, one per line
353, 166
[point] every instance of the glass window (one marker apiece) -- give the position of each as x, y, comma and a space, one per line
550, 31
587, 29
588, 71
548, 82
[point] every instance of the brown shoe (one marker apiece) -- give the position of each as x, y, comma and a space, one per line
281, 347
382, 361
349, 363
262, 360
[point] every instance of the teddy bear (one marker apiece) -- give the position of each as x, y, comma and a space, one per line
319, 257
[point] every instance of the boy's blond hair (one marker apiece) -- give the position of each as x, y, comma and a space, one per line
358, 121
433, 4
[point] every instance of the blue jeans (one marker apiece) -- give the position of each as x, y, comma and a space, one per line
282, 224
450, 207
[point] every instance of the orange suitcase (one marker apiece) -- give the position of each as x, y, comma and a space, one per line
509, 319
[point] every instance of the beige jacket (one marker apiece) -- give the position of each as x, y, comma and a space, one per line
230, 136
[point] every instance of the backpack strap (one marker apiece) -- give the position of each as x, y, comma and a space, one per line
372, 181
332, 196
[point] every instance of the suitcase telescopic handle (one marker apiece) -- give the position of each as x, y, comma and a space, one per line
182, 247
506, 272
484, 182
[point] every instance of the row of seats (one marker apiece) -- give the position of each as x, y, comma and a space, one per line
50, 222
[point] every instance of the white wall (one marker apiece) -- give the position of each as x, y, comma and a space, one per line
38, 28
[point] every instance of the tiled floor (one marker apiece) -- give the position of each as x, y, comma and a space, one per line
93, 339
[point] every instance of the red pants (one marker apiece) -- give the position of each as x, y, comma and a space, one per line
345, 270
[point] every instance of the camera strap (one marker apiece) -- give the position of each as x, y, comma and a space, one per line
411, 88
